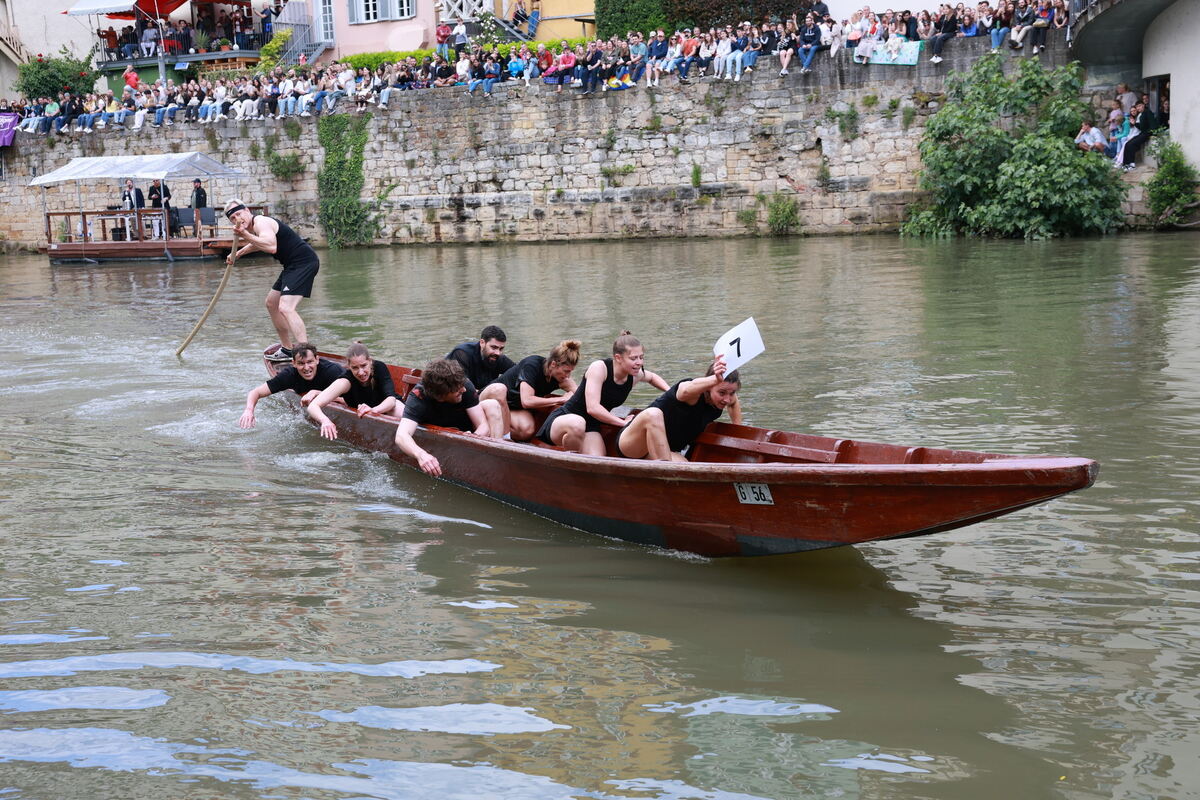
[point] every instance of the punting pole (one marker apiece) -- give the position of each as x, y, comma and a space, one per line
213, 303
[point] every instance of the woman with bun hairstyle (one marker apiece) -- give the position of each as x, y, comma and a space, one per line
366, 386
575, 425
672, 422
526, 386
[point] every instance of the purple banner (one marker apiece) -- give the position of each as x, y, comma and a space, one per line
8, 127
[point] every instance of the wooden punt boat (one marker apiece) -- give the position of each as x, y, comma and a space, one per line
746, 491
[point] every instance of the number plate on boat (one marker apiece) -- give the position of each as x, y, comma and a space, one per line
757, 494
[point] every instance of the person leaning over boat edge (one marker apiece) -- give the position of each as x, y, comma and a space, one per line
527, 386
295, 281
308, 376
365, 386
445, 397
575, 425
483, 361
673, 421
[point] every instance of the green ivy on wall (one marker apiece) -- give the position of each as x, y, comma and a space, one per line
346, 219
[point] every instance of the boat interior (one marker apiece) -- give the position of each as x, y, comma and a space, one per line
727, 443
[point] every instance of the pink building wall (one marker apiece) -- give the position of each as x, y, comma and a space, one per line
369, 37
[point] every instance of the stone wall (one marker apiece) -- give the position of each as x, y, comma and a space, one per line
704, 159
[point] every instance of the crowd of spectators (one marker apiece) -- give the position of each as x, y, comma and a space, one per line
147, 37
619, 63
1130, 121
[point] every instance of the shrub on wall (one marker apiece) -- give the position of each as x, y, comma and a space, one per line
1172, 190
1000, 159
46, 76
618, 17
374, 60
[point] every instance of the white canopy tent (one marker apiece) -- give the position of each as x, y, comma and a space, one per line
87, 7
163, 166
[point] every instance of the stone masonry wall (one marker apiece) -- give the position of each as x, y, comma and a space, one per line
530, 164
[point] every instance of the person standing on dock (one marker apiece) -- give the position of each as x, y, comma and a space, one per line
300, 265
198, 200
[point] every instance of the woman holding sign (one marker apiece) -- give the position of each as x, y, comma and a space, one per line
672, 422
575, 425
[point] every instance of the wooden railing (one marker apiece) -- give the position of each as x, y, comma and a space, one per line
133, 225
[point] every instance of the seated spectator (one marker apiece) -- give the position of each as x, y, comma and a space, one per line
1043, 18
1090, 139
945, 28
1022, 24
1147, 124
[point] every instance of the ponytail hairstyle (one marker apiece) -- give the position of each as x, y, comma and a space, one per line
730, 377
566, 352
624, 343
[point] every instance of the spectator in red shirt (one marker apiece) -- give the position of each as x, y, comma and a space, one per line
441, 35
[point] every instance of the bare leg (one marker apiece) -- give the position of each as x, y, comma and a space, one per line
284, 316
568, 432
521, 425
277, 318
499, 393
491, 410
646, 437
593, 444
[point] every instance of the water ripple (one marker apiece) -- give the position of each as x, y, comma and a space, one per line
254, 666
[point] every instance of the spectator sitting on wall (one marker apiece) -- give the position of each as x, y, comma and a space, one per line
1090, 139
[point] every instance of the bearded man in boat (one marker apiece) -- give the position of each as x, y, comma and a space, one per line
575, 425
528, 386
295, 281
483, 361
365, 386
308, 376
445, 397
673, 422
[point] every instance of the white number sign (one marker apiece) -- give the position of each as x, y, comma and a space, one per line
755, 494
739, 345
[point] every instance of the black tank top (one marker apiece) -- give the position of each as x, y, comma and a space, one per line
289, 247
612, 394
683, 422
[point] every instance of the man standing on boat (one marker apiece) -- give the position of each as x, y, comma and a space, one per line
300, 266
483, 361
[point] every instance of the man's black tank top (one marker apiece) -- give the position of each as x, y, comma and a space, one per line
612, 394
683, 422
289, 247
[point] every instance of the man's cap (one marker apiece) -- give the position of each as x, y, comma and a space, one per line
195, 180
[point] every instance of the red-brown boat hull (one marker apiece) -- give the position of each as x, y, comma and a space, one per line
694, 507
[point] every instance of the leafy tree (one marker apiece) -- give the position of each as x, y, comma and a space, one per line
46, 76
1000, 160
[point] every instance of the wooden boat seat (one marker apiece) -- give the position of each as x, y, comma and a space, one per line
767, 451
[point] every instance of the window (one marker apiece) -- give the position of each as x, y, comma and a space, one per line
361, 11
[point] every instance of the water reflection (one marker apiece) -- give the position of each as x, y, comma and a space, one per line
333, 626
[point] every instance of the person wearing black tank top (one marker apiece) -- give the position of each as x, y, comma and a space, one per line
672, 422
300, 266
365, 386
528, 387
576, 424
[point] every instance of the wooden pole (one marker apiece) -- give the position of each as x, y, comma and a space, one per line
213, 303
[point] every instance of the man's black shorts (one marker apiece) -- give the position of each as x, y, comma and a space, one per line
298, 278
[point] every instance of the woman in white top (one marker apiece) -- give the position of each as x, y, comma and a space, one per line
724, 48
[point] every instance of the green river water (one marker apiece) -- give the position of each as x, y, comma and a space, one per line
190, 610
